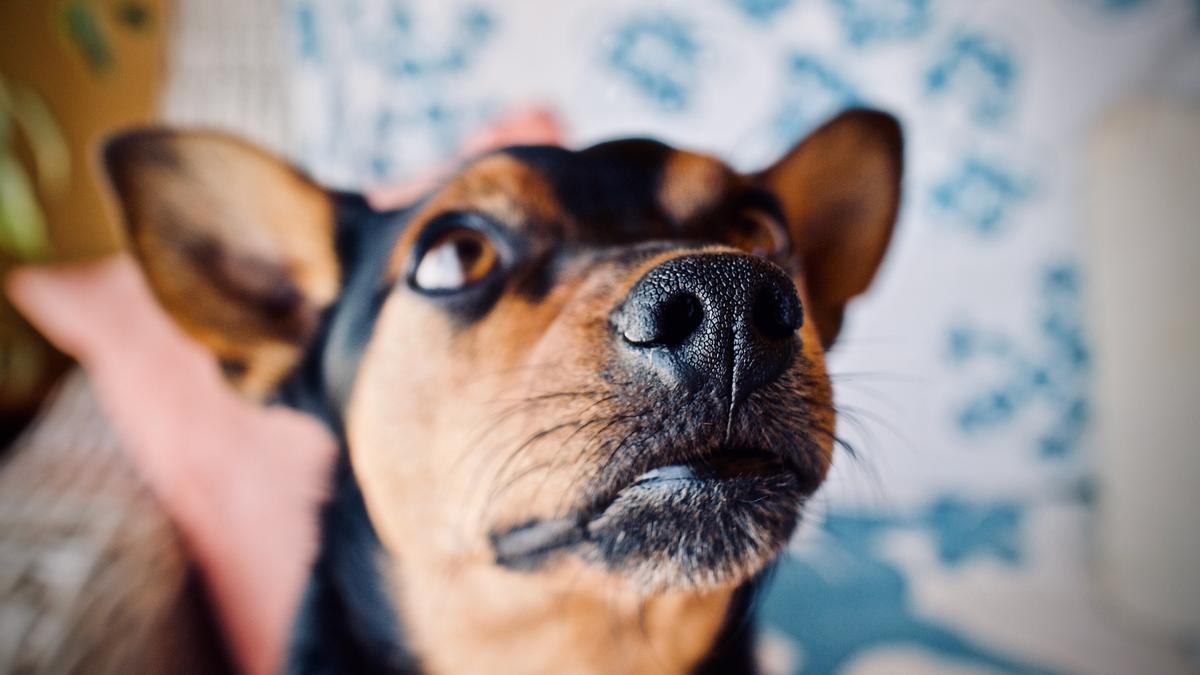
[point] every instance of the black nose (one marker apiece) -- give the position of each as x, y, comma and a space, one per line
725, 322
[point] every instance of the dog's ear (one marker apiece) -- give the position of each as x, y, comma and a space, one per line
840, 191
238, 246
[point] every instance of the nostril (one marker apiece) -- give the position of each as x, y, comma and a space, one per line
678, 318
776, 314
667, 323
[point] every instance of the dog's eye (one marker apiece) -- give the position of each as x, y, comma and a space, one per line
455, 260
759, 233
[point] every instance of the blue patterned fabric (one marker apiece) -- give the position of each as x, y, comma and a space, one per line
957, 541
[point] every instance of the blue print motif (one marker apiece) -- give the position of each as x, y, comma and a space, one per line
1117, 6
762, 10
659, 56
308, 41
1052, 376
845, 598
963, 530
407, 57
442, 122
980, 195
812, 92
869, 21
417, 115
980, 72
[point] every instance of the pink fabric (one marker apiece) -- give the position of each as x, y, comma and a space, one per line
243, 482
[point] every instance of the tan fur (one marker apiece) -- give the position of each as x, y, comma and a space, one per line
479, 618
691, 184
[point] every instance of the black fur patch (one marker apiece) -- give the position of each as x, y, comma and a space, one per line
610, 189
346, 623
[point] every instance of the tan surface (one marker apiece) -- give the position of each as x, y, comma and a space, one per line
35, 51
1142, 207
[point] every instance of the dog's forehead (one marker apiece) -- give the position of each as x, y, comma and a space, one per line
623, 183
608, 193
616, 193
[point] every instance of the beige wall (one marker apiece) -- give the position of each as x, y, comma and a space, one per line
1144, 266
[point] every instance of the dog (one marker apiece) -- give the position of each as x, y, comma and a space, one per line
581, 395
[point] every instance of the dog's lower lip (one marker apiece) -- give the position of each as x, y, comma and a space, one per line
666, 473
527, 545
724, 463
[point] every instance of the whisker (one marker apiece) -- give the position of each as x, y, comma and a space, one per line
874, 375
523, 405
605, 465
579, 425
603, 469
512, 456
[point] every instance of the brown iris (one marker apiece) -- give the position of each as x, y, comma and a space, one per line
455, 260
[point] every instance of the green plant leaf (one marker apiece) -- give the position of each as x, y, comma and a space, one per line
85, 32
50, 152
22, 223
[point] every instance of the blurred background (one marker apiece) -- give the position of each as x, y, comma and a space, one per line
1020, 386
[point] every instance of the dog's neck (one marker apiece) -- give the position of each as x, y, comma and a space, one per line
475, 617
368, 611
465, 613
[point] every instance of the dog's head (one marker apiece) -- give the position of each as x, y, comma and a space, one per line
612, 355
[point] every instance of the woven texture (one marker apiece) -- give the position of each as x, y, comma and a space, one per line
227, 70
92, 576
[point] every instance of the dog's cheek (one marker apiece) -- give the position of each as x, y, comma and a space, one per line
436, 424
394, 418
535, 393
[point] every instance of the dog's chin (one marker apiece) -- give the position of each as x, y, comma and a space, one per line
677, 530
682, 527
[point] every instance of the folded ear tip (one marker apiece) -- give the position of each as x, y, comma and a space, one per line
133, 147
871, 116
882, 124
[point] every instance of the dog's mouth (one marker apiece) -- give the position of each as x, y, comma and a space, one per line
694, 521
